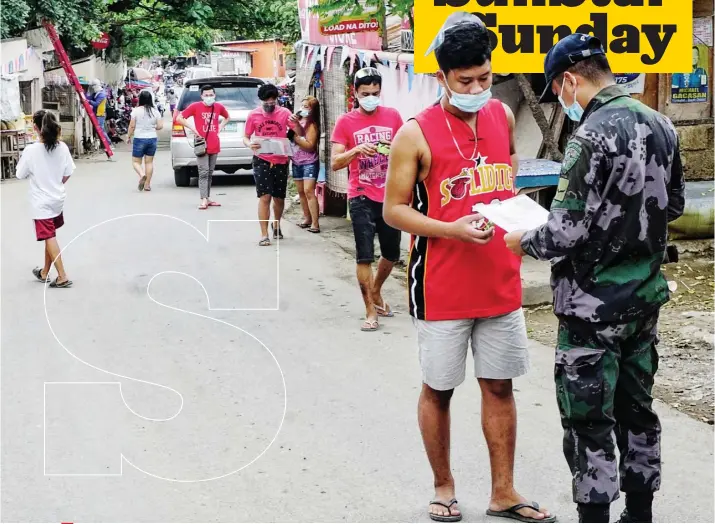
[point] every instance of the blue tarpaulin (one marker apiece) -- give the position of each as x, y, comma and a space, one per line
537, 172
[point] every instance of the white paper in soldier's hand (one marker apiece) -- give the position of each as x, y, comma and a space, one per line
516, 214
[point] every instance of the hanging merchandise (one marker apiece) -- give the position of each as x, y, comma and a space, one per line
321, 56
345, 55
328, 57
410, 76
351, 52
309, 56
303, 54
314, 57
317, 83
361, 55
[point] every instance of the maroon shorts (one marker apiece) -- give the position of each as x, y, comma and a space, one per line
47, 227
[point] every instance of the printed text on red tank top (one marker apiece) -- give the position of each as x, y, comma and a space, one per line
479, 180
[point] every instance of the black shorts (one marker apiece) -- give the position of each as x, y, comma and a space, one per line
366, 216
271, 179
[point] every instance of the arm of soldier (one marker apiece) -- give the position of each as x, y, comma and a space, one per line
512, 145
574, 206
676, 188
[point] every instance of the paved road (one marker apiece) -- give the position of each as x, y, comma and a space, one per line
137, 327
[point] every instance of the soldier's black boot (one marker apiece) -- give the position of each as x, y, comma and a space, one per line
639, 508
594, 512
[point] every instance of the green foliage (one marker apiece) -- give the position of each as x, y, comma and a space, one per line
340, 8
154, 27
13, 18
76, 20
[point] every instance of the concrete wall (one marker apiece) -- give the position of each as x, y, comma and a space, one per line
696, 144
110, 73
30, 70
267, 57
12, 48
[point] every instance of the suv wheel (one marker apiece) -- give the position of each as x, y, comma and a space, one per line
182, 177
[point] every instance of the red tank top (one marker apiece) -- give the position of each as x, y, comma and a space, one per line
450, 279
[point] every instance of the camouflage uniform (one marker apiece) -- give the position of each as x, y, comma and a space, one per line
621, 183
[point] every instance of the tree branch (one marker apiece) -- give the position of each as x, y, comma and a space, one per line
552, 149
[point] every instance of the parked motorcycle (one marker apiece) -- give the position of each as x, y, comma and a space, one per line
286, 97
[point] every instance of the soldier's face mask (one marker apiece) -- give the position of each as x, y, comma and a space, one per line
574, 111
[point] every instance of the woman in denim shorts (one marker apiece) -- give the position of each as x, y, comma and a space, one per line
143, 126
306, 163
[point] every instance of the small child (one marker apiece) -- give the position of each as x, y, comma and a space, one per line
48, 165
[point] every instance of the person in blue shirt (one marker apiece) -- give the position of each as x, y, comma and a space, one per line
97, 98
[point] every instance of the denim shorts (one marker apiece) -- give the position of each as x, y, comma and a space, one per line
143, 147
306, 171
366, 217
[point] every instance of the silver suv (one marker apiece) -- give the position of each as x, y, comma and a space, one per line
239, 94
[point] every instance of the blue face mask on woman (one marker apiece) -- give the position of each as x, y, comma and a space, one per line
469, 103
574, 111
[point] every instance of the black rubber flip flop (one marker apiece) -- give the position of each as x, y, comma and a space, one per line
314, 230
60, 285
511, 513
441, 518
277, 233
38, 275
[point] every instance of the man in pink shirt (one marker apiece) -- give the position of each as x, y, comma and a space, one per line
269, 171
361, 142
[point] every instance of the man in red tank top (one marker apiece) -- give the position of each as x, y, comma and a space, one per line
464, 285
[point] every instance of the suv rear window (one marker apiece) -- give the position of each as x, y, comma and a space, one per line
233, 96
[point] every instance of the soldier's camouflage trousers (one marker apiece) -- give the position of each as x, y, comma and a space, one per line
604, 378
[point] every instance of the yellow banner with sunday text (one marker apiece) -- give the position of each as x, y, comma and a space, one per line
639, 36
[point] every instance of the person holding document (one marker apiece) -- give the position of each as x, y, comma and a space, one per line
621, 183
270, 170
464, 284
361, 142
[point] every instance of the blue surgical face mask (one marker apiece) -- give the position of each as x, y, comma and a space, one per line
369, 103
574, 111
304, 113
466, 102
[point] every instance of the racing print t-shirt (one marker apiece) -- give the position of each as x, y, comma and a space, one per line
367, 175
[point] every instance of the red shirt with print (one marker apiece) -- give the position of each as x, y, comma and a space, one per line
209, 130
367, 174
273, 124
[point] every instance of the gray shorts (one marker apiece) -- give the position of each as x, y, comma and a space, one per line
499, 349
